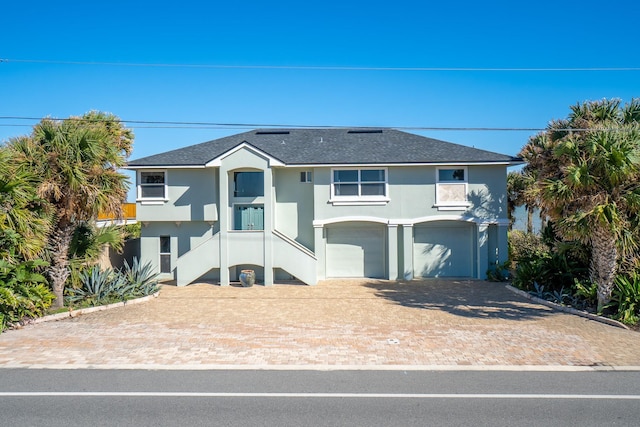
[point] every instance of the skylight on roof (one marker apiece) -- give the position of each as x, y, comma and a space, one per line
365, 131
272, 132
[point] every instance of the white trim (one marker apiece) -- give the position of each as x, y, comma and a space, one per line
453, 207
455, 204
160, 253
164, 167
409, 222
217, 161
324, 222
433, 218
359, 200
151, 200
308, 177
384, 165
325, 165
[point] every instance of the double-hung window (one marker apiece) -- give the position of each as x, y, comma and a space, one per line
359, 186
451, 188
152, 185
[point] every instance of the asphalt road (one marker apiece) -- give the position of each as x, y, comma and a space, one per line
317, 398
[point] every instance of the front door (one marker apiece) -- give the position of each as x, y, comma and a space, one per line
248, 217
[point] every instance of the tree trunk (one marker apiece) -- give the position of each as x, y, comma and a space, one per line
59, 270
604, 263
529, 219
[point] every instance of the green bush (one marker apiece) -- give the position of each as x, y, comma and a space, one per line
626, 298
548, 262
23, 291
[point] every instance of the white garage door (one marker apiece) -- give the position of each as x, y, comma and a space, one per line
443, 249
355, 250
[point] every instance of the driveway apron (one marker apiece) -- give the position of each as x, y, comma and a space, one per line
338, 323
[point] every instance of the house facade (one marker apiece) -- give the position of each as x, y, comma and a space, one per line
312, 204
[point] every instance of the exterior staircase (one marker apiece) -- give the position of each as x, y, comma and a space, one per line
198, 261
294, 258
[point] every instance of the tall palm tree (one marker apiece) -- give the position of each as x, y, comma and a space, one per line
587, 170
77, 160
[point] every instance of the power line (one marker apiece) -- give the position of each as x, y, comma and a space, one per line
215, 125
322, 67
155, 124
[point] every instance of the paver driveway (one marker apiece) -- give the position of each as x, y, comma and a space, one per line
347, 323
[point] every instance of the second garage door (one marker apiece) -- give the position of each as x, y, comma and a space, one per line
355, 250
443, 249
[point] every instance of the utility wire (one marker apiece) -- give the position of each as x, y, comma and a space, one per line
149, 124
214, 125
321, 67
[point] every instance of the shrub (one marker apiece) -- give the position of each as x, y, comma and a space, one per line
99, 287
626, 298
543, 259
96, 287
141, 276
23, 291
499, 272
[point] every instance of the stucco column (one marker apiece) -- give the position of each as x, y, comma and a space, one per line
483, 251
223, 191
392, 252
503, 242
407, 253
320, 246
268, 227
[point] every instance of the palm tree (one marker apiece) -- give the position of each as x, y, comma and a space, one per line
77, 160
24, 220
519, 194
587, 171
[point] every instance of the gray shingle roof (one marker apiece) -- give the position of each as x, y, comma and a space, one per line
330, 147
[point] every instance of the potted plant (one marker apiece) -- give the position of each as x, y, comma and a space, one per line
247, 278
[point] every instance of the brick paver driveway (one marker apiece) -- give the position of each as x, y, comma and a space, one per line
346, 323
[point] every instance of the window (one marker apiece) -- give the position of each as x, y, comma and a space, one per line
165, 254
306, 176
451, 188
248, 184
152, 185
359, 185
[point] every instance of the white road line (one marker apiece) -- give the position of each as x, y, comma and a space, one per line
319, 395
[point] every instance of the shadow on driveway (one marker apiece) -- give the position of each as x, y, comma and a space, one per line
466, 298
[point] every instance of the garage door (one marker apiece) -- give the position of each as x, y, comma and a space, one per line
355, 250
443, 249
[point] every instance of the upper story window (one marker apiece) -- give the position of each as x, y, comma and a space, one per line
306, 176
248, 184
152, 185
367, 186
451, 188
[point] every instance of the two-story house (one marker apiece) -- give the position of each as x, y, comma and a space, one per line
312, 204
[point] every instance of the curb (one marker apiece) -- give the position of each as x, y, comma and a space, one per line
569, 310
74, 313
267, 367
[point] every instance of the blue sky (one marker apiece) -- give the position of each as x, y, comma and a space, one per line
472, 34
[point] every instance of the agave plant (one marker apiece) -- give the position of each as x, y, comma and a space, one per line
141, 276
97, 286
